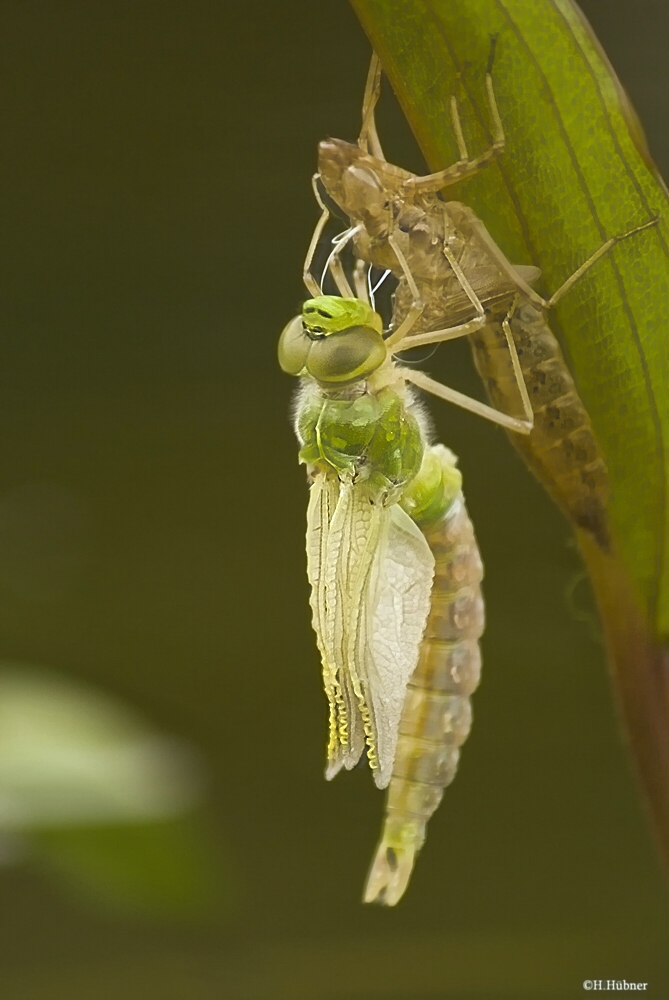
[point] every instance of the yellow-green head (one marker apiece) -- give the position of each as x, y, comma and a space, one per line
333, 314
336, 340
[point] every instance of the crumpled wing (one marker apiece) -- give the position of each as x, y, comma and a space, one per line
370, 570
329, 606
398, 604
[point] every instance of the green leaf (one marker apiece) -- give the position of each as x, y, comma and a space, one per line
574, 173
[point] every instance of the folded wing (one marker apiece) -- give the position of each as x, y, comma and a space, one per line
398, 604
371, 571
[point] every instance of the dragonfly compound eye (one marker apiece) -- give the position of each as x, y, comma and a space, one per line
347, 356
336, 340
294, 347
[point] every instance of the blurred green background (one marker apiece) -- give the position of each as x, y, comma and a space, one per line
155, 209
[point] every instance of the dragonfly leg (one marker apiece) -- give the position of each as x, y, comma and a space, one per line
417, 306
368, 140
333, 264
400, 340
430, 385
360, 272
460, 274
439, 336
308, 278
453, 332
499, 258
465, 167
515, 362
481, 317
507, 267
604, 249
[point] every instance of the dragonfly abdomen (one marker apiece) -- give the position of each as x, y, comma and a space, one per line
436, 716
561, 449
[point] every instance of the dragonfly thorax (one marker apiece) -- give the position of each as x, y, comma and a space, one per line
373, 439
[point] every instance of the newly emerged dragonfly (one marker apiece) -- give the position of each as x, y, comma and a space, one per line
454, 280
394, 569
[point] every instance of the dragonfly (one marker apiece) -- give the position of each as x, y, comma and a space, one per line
394, 568
453, 281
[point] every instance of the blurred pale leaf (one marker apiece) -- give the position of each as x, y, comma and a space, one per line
70, 754
95, 796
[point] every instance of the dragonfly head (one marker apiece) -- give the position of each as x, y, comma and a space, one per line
336, 340
330, 314
363, 186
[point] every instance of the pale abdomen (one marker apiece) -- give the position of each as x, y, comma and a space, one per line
436, 717
561, 449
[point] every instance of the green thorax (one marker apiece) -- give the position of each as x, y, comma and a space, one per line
371, 437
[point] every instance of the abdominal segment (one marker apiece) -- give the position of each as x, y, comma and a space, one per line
436, 716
